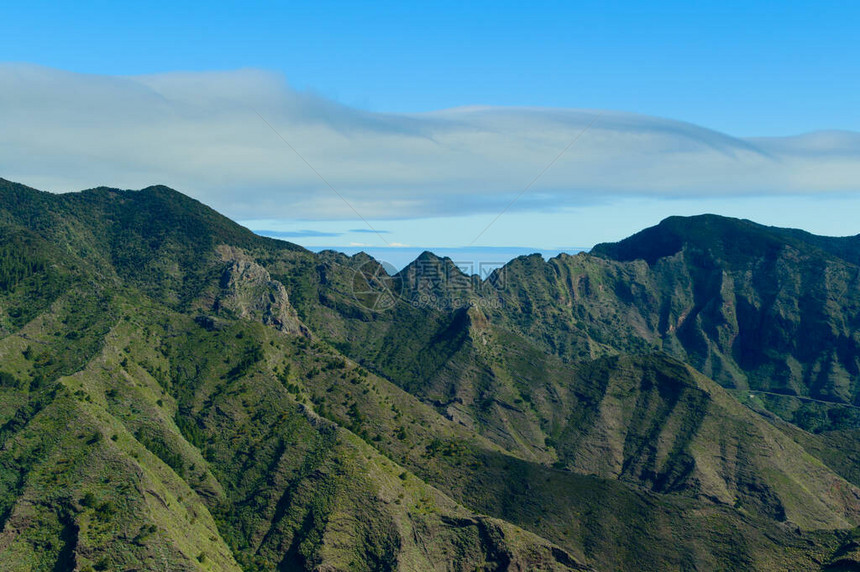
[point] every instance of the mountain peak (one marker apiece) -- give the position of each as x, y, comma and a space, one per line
427, 260
730, 239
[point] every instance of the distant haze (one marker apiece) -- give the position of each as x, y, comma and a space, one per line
479, 261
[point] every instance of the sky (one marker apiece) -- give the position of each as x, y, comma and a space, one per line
545, 125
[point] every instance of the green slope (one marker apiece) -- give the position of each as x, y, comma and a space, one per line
139, 436
753, 307
176, 389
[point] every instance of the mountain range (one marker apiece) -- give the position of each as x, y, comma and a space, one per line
179, 393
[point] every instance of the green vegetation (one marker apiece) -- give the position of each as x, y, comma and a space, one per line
178, 392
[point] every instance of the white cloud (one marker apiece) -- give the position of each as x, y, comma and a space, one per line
200, 133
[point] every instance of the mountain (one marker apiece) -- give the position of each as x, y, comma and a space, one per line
179, 392
755, 308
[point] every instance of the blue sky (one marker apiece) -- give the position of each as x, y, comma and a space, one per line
338, 73
745, 67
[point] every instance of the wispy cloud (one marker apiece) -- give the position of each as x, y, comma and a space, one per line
297, 233
200, 133
368, 231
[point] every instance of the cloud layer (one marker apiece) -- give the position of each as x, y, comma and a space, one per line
208, 134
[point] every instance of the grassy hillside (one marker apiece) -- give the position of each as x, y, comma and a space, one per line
177, 391
772, 310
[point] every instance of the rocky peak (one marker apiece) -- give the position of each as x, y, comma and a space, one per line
248, 291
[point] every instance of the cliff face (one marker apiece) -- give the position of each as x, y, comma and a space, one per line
749, 306
247, 291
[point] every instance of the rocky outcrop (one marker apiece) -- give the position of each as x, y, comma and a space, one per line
248, 291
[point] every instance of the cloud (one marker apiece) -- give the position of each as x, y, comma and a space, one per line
296, 233
369, 231
202, 133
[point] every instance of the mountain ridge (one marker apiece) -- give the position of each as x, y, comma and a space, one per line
240, 391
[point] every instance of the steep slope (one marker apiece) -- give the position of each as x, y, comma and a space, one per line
773, 310
777, 310
649, 421
156, 239
661, 424
171, 435
274, 410
734, 241
134, 435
